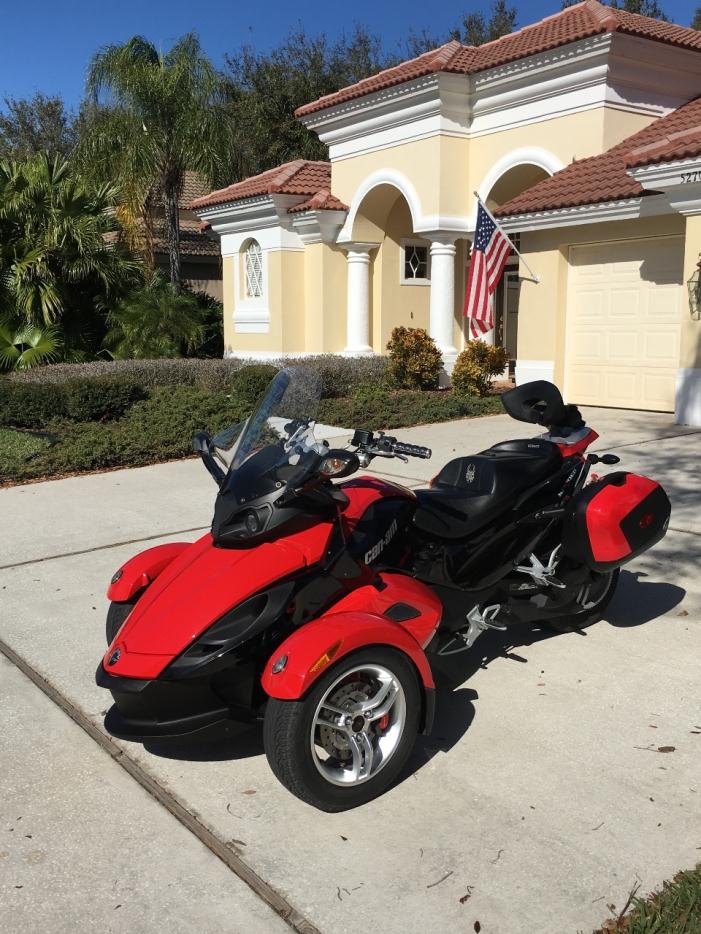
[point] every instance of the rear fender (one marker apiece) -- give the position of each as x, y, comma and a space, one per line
313, 648
142, 569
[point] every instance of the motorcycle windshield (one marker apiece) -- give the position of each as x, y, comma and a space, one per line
285, 413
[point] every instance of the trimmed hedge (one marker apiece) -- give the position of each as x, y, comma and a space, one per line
377, 409
339, 375
16, 448
36, 405
252, 381
156, 429
161, 427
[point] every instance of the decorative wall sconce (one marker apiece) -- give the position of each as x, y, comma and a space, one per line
694, 287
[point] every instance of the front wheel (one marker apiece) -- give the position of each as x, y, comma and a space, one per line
346, 741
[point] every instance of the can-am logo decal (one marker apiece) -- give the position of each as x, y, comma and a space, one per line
379, 547
470, 473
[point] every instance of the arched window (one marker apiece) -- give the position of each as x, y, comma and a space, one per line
253, 270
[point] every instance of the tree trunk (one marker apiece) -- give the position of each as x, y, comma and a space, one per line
172, 215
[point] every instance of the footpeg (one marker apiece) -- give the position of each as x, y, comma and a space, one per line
543, 573
477, 622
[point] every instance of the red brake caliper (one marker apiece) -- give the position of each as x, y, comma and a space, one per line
383, 723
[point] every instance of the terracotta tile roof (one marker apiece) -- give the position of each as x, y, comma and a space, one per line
604, 177
681, 145
322, 201
194, 186
300, 177
585, 19
193, 240
449, 57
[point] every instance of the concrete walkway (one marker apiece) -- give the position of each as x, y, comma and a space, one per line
540, 796
85, 848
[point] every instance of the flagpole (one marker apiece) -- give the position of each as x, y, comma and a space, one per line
534, 277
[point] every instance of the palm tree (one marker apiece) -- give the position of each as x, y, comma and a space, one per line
24, 346
157, 116
53, 251
156, 321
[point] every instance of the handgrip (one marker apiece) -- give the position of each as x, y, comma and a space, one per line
412, 450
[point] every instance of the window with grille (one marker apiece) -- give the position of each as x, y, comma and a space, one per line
415, 262
253, 268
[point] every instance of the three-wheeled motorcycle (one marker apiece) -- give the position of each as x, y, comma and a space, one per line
317, 606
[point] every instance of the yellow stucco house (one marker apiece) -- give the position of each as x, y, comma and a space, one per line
581, 132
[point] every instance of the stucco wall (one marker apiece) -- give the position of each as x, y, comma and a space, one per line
443, 171
691, 327
325, 286
400, 304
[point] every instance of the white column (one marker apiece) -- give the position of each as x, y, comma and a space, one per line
442, 307
358, 305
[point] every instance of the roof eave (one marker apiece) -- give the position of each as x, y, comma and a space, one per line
649, 205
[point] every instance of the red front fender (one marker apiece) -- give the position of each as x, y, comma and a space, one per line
336, 634
143, 568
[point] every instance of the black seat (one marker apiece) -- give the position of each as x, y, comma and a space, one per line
470, 492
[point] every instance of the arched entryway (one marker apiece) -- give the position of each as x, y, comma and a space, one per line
397, 267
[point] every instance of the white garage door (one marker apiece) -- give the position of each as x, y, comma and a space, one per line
623, 321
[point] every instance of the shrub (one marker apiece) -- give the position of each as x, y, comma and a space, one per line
17, 447
217, 375
414, 360
35, 405
386, 409
29, 405
108, 397
475, 366
252, 381
156, 429
339, 375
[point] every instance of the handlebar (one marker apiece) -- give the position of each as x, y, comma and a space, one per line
412, 450
386, 445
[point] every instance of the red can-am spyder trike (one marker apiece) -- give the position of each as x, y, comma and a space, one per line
317, 606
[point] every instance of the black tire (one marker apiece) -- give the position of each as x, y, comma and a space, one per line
575, 621
287, 733
116, 614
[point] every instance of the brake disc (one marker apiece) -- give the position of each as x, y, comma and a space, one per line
332, 739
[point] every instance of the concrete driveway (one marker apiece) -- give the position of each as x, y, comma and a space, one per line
540, 798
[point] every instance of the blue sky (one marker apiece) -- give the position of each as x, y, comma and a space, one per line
45, 45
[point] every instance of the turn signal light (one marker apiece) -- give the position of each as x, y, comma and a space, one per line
326, 658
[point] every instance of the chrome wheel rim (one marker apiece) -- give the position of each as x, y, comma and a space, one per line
358, 725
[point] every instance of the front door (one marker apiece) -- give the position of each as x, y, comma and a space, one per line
506, 313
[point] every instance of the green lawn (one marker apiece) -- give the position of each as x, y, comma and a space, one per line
675, 909
16, 447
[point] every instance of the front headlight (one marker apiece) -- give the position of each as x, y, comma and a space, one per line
211, 651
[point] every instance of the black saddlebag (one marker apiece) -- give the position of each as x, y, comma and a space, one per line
614, 519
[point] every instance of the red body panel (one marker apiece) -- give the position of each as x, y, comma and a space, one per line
605, 512
579, 447
142, 569
398, 588
198, 587
191, 586
364, 492
354, 630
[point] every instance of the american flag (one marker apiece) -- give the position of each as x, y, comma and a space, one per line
489, 254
